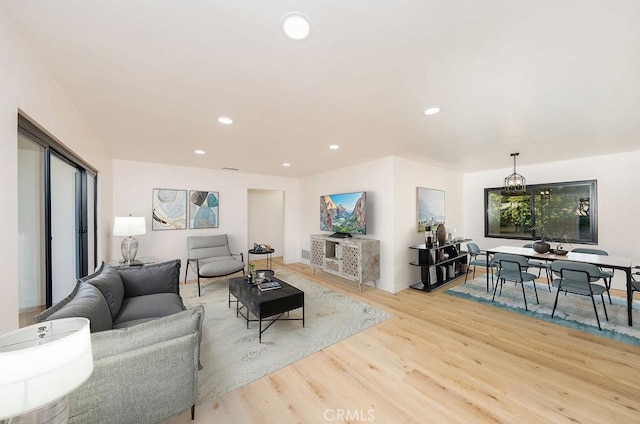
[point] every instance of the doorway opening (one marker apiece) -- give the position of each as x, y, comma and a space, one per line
265, 219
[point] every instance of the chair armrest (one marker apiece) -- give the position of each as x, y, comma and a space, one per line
197, 262
239, 254
187, 265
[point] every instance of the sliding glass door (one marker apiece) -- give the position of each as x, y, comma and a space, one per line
64, 228
31, 227
57, 220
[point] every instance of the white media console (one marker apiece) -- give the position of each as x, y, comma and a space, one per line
356, 259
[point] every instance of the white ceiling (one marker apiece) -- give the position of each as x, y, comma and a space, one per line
551, 79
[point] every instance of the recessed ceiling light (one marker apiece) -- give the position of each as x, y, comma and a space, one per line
296, 26
334, 147
199, 152
432, 110
224, 120
286, 164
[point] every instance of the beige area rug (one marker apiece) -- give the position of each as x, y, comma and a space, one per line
231, 354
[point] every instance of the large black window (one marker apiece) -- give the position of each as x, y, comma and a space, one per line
558, 211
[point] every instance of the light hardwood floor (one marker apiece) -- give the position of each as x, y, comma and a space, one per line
442, 359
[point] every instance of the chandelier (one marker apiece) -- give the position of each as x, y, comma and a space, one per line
515, 183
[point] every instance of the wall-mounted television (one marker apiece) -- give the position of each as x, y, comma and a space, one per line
343, 213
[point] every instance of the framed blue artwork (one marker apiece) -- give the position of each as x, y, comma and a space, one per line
203, 209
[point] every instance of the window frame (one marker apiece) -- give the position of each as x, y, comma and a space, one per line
52, 147
532, 190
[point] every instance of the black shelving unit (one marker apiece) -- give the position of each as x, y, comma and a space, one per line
438, 264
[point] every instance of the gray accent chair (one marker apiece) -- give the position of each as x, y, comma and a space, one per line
210, 257
146, 345
578, 278
513, 268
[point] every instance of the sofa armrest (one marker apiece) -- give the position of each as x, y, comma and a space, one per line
116, 341
156, 361
151, 279
148, 384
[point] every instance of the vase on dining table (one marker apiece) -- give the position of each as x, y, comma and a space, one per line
541, 246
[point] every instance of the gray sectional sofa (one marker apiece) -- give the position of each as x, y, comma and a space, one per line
146, 344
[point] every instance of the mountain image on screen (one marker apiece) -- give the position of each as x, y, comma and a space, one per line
343, 213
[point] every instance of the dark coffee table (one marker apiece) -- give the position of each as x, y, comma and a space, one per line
267, 306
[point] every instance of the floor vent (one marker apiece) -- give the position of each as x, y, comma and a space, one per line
305, 254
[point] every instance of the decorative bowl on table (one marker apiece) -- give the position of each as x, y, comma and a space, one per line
560, 252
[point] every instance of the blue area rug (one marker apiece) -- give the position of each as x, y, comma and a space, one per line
573, 311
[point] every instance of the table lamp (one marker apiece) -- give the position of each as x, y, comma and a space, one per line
39, 366
129, 226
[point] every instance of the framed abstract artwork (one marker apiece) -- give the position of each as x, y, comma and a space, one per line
430, 207
203, 209
169, 209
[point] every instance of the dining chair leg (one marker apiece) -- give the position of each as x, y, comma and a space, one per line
555, 303
593, 301
608, 286
525, 297
495, 287
548, 279
604, 307
535, 290
491, 271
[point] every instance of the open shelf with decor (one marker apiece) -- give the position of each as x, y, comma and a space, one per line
439, 264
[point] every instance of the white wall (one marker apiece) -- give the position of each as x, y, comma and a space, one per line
266, 220
391, 185
26, 85
618, 201
408, 176
376, 179
133, 183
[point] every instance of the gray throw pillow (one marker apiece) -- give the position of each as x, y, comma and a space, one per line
108, 281
84, 301
151, 279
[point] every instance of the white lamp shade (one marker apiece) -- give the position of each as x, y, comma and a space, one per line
35, 371
129, 226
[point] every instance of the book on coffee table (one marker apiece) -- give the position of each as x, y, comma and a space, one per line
269, 285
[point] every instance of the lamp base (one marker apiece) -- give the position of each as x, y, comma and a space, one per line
129, 249
56, 412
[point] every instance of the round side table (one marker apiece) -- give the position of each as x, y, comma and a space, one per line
269, 253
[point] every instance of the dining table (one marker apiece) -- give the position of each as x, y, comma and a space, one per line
613, 262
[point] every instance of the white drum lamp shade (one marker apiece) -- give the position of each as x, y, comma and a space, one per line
41, 364
129, 226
